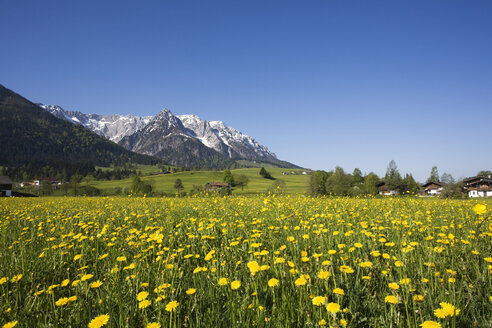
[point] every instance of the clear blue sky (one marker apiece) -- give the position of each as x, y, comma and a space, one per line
321, 83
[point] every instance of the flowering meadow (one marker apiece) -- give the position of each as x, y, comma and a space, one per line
264, 261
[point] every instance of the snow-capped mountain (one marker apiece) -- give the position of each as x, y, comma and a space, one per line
184, 140
113, 127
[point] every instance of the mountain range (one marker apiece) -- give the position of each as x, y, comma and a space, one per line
183, 140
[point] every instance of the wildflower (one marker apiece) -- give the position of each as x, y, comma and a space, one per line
324, 274
142, 296
62, 301
223, 281
99, 321
300, 281
77, 257
394, 286
209, 255
143, 304
391, 299
171, 306
10, 324
16, 278
235, 284
72, 299
449, 309
333, 308
65, 282
121, 258
430, 324
319, 300
273, 282
480, 209
440, 313
322, 322
338, 291
86, 277
3, 280
96, 284
418, 298
191, 291
254, 267
153, 325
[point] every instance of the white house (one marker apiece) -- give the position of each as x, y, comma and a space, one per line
5, 186
433, 188
479, 186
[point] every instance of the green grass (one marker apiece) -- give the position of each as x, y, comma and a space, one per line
257, 184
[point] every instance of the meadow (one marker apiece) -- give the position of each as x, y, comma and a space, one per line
263, 261
293, 183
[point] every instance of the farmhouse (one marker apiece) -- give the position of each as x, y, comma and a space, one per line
433, 188
384, 190
5, 186
479, 186
39, 180
213, 186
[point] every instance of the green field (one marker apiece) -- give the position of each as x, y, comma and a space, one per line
294, 183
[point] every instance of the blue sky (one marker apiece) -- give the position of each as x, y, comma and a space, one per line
321, 83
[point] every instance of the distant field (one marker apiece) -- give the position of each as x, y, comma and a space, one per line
257, 184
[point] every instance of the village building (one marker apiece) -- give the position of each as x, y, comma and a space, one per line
384, 190
5, 186
433, 188
215, 186
38, 181
479, 186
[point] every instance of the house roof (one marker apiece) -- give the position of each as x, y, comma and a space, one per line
46, 178
477, 179
437, 183
5, 180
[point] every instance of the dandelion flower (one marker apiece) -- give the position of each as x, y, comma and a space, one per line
235, 284
223, 281
96, 284
273, 282
319, 300
300, 281
394, 286
143, 304
338, 291
153, 325
99, 321
480, 209
10, 324
391, 299
191, 291
86, 277
333, 308
62, 301
171, 306
430, 324
142, 295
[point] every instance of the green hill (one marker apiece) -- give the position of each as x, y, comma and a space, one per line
32, 136
294, 183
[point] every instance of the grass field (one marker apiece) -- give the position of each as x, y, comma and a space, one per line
261, 261
257, 184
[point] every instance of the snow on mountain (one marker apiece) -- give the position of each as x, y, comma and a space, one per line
147, 130
113, 127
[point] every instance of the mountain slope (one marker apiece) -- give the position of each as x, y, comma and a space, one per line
32, 135
165, 138
113, 127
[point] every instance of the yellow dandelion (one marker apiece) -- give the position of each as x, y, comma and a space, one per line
143, 304
318, 300
480, 209
191, 291
99, 321
235, 284
171, 306
10, 324
273, 282
142, 296
86, 277
394, 286
391, 299
333, 308
96, 284
62, 301
430, 324
223, 281
153, 325
300, 281
338, 291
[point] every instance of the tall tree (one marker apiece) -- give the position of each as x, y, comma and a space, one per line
228, 177
447, 178
242, 181
392, 178
178, 185
370, 182
338, 183
434, 175
317, 183
409, 185
357, 178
